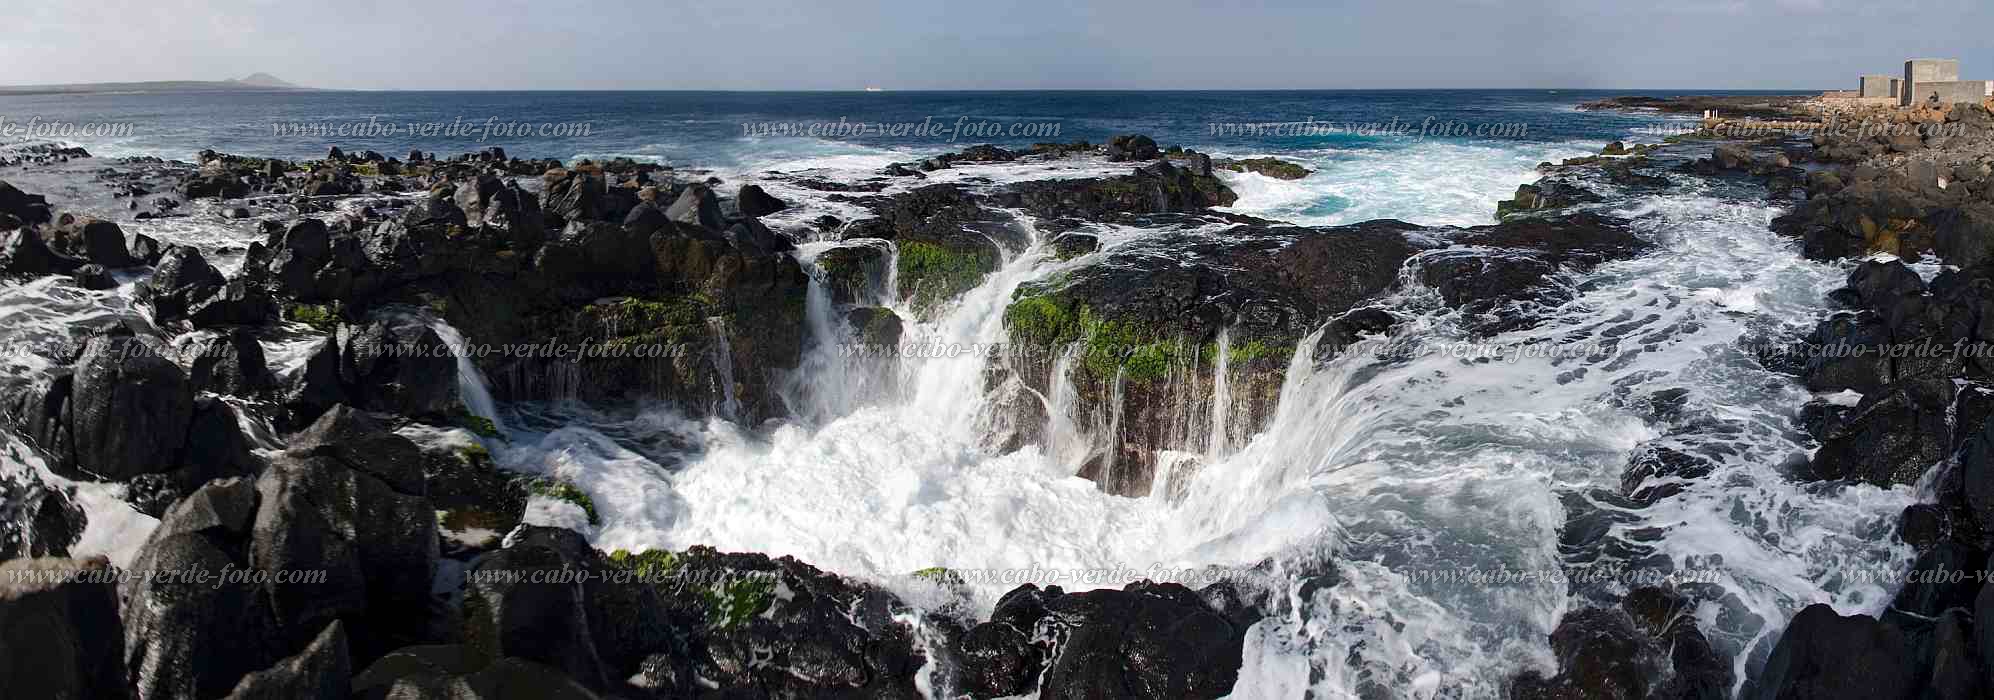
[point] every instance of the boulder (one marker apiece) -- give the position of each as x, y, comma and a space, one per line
1893, 437
1545, 194
1848, 353
216, 445
594, 259
220, 185
595, 631
60, 628
1600, 655
41, 412
184, 639
397, 364
514, 214
228, 363
996, 659
1132, 147
435, 210
984, 153
1956, 668
501, 208
376, 545
28, 208
317, 386
1198, 164
1823, 654
99, 240
875, 326
146, 249
130, 409
322, 671
23, 251
758, 625
451, 671
698, 206
1732, 157
355, 439
297, 256
237, 302
1977, 467
1146, 640
37, 520
582, 195
750, 236
182, 277
1945, 577
93, 277
333, 182
754, 202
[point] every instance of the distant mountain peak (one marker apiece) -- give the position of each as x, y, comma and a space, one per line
262, 80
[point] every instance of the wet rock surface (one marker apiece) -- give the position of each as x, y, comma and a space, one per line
61, 634
1909, 352
1142, 325
1146, 640
626, 255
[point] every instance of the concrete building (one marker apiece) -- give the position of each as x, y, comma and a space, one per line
1926, 81
1948, 92
1878, 86
1927, 70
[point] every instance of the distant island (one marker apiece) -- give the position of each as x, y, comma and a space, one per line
253, 81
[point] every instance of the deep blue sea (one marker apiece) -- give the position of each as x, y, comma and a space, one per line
698, 126
1436, 156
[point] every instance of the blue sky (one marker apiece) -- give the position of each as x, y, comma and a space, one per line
995, 44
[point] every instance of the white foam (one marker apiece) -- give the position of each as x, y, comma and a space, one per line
1386, 464
1429, 182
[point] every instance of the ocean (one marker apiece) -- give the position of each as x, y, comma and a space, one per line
1376, 161
1393, 465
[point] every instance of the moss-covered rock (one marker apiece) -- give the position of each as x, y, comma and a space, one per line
855, 272
321, 317
1073, 244
567, 492
478, 425
650, 566
1142, 331
875, 326
933, 273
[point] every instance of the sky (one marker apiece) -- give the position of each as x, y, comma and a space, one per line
994, 44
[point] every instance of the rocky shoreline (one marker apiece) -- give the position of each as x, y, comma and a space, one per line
1908, 398
436, 589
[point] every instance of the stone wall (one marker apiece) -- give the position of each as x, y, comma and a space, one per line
1836, 103
1952, 91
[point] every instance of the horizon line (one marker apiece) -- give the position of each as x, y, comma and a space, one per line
53, 88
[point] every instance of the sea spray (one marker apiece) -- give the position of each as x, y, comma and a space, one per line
722, 355
1217, 445
472, 388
